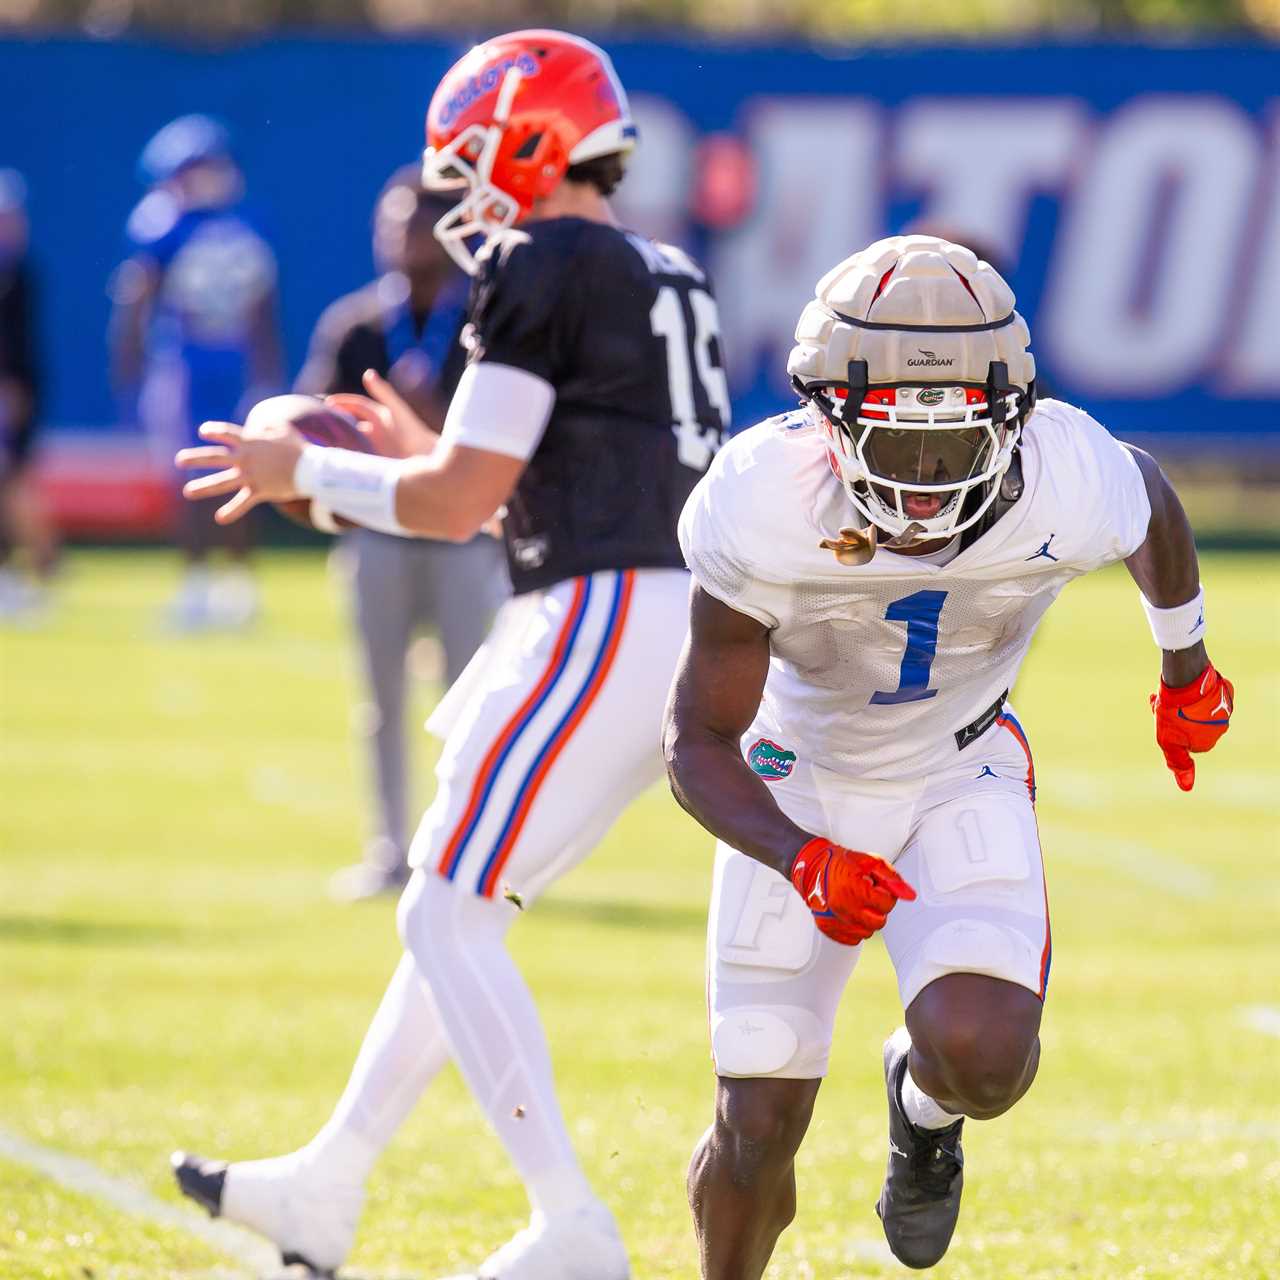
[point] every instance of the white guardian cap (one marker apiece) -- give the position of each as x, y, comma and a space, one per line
916, 364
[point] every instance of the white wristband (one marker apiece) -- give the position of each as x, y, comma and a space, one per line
1179, 627
360, 486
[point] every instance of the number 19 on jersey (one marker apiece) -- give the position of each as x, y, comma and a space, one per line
690, 357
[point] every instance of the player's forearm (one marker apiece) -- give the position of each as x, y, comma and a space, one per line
132, 289
266, 355
434, 501
1166, 567
16, 402
712, 782
126, 343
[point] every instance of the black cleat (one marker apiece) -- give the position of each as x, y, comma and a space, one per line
313, 1272
920, 1201
200, 1179
257, 1196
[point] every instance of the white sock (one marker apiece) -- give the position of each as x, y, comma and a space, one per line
920, 1108
238, 579
403, 1051
495, 1037
196, 580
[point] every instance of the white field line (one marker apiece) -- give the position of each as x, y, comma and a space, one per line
1130, 859
252, 1254
1262, 1017
1151, 784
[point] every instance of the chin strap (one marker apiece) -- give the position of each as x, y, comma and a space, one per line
1011, 486
1011, 483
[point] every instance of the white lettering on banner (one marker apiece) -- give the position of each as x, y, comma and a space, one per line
819, 201
655, 196
1252, 352
981, 160
1143, 270
1164, 273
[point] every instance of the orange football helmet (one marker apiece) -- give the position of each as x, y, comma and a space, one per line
509, 119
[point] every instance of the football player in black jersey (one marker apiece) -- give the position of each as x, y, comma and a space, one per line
404, 327
593, 399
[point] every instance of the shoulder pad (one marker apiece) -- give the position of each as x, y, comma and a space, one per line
793, 420
363, 306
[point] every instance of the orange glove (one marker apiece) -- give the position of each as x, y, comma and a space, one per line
849, 893
1191, 718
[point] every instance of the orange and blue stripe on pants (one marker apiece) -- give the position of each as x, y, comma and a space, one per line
498, 761
1007, 720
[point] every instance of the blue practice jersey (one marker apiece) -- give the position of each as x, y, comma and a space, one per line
216, 269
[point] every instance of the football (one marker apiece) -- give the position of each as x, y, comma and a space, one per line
320, 425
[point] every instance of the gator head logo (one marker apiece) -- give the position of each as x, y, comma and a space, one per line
930, 395
771, 761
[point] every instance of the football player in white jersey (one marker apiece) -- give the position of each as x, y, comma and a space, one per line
869, 571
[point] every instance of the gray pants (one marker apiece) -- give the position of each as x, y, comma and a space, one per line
402, 586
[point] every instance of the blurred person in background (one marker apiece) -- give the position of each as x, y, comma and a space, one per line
25, 526
404, 326
194, 334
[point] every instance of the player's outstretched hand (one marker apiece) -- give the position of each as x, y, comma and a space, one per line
1191, 718
257, 464
387, 418
849, 893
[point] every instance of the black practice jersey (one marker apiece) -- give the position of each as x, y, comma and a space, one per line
626, 332
373, 328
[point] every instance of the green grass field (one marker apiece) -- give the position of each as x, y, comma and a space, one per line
172, 974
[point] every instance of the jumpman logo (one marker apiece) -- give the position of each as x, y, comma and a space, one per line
1044, 551
987, 772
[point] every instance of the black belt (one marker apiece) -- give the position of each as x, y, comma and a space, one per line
976, 728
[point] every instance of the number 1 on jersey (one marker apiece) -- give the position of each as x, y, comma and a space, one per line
920, 612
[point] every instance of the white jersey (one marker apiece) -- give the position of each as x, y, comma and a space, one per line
877, 670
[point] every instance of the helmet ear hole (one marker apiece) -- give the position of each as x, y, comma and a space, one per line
528, 147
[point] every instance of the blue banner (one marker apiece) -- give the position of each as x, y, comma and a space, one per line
1131, 194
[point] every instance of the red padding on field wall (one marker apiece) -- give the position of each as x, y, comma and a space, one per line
101, 485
